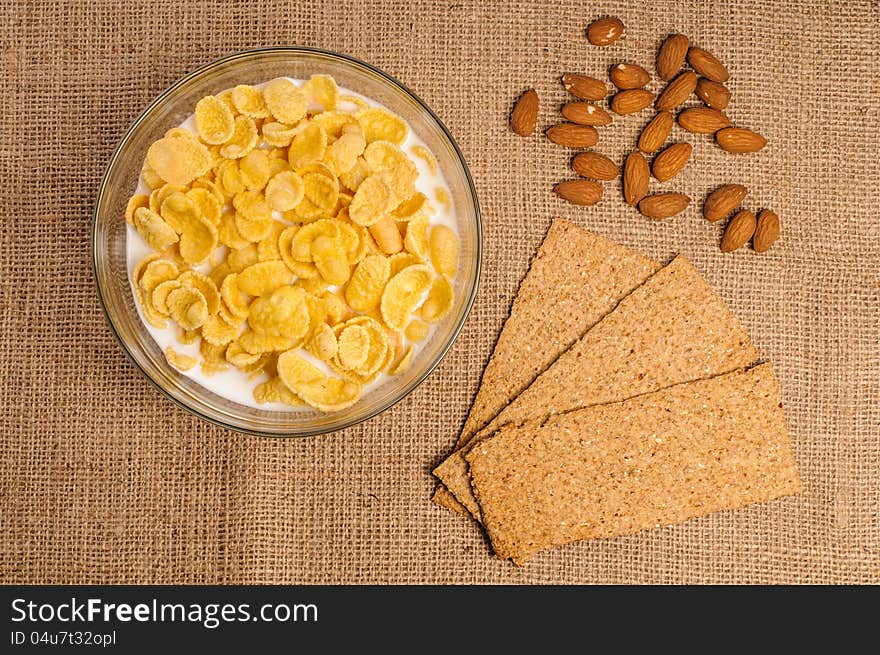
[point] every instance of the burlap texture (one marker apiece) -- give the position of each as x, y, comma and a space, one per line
103, 480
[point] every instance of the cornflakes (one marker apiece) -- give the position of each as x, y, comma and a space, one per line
178, 160
427, 156
263, 278
214, 120
381, 125
179, 361
364, 291
322, 89
371, 202
439, 301
443, 246
153, 229
403, 294
244, 138
285, 191
324, 300
285, 100
249, 101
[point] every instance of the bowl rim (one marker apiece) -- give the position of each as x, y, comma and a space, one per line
387, 78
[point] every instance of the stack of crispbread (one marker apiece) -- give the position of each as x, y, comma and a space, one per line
618, 398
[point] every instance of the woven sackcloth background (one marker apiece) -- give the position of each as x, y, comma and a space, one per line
103, 480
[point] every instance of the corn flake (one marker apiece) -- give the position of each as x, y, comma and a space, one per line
331, 259
329, 394
204, 284
443, 246
322, 90
179, 361
234, 297
438, 302
371, 202
135, 202
153, 229
263, 278
427, 156
178, 160
285, 100
249, 101
214, 120
364, 291
278, 135
308, 146
285, 191
187, 306
254, 169
381, 125
353, 346
244, 138
417, 331
403, 294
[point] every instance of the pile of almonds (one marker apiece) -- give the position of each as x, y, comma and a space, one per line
583, 116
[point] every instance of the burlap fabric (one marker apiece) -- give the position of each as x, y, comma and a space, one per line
103, 480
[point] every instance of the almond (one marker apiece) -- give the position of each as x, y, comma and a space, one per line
594, 166
669, 162
629, 76
572, 135
656, 132
635, 178
663, 205
738, 139
579, 192
723, 200
714, 94
605, 31
670, 57
585, 113
707, 64
525, 113
631, 101
739, 231
677, 91
583, 87
767, 230
703, 120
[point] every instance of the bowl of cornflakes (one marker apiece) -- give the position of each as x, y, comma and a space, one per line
287, 241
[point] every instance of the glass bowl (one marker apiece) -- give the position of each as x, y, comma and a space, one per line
169, 110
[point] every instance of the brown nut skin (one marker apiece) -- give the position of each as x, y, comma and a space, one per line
713, 94
631, 101
739, 231
629, 76
707, 64
584, 87
572, 135
525, 113
585, 113
579, 192
594, 166
663, 205
677, 91
656, 132
670, 162
739, 140
636, 176
723, 200
605, 31
671, 56
766, 230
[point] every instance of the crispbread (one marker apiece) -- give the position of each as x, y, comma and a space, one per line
672, 329
575, 279
653, 460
